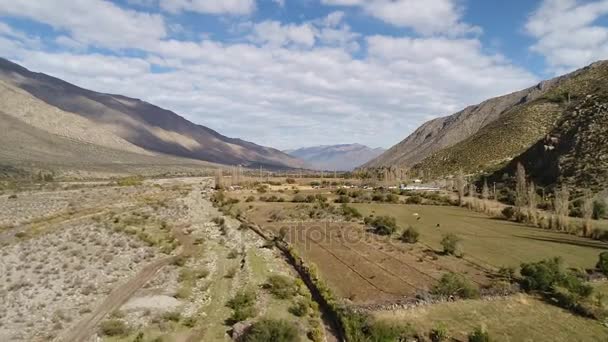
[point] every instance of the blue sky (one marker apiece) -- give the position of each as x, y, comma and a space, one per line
293, 73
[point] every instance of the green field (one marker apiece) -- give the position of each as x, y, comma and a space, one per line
518, 318
489, 241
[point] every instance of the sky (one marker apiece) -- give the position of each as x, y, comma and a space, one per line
295, 73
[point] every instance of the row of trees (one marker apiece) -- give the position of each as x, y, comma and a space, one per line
526, 203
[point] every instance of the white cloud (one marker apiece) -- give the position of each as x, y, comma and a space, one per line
327, 31
235, 7
568, 34
294, 85
274, 33
94, 22
427, 17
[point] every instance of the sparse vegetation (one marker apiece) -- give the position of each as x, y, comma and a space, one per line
243, 306
113, 327
281, 286
410, 235
455, 285
271, 330
451, 245
382, 225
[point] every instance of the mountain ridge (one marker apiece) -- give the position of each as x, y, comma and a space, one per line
340, 157
144, 124
510, 126
444, 132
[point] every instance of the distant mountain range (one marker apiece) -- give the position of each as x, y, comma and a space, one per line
556, 128
46, 119
344, 157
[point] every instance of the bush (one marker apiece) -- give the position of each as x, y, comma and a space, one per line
271, 330
243, 304
602, 263
383, 225
387, 331
453, 284
479, 335
508, 212
599, 210
300, 308
410, 235
290, 181
451, 245
173, 316
299, 199
439, 333
415, 199
392, 198
282, 287
350, 212
542, 275
113, 327
547, 275
342, 199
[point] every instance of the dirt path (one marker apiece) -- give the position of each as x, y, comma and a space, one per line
86, 327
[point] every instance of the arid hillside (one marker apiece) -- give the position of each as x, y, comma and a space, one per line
488, 136
121, 123
442, 133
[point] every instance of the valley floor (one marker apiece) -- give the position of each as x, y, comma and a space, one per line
144, 261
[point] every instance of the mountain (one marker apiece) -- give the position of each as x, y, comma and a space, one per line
119, 123
575, 152
336, 157
487, 136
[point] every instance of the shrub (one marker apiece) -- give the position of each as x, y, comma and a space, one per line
299, 198
282, 287
243, 306
451, 245
542, 275
130, 181
479, 335
350, 212
453, 284
271, 330
547, 275
113, 327
387, 331
290, 181
342, 192
507, 273
392, 198
600, 209
383, 225
378, 197
439, 333
410, 235
602, 263
342, 199
173, 316
508, 212
300, 308
415, 199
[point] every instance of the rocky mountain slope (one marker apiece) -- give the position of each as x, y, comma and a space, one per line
122, 123
575, 152
488, 136
344, 157
444, 132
